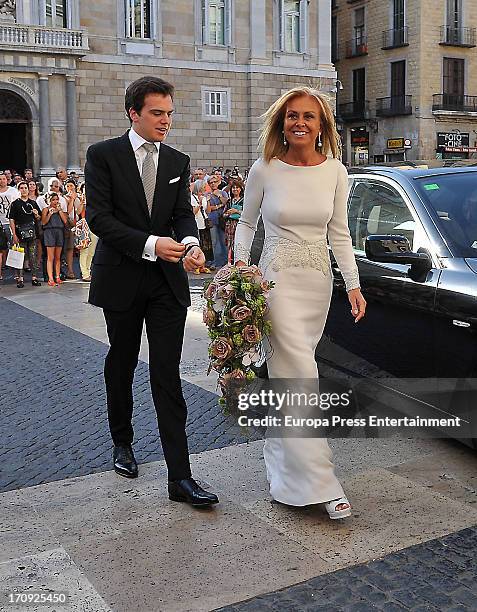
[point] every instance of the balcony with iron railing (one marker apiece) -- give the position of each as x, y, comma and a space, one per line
453, 103
458, 37
356, 47
393, 106
353, 111
43, 39
395, 38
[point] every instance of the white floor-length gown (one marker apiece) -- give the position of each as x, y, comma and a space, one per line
300, 207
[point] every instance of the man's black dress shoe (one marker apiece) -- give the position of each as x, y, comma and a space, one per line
187, 490
124, 461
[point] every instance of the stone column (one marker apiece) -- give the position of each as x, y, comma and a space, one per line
72, 158
46, 162
324, 33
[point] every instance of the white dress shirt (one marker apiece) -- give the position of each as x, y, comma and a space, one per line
140, 154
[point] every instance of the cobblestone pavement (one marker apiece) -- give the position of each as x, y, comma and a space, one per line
438, 576
53, 425
53, 420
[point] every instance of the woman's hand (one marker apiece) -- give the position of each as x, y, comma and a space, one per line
240, 263
358, 304
15, 239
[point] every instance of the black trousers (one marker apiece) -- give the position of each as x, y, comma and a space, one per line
165, 321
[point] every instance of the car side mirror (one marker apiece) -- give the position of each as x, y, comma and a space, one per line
394, 249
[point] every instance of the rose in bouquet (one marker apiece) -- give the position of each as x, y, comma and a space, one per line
236, 317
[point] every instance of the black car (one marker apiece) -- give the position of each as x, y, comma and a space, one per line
414, 233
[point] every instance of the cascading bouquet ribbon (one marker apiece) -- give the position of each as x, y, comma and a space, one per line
236, 317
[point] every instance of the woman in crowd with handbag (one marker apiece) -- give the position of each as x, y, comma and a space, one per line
216, 201
33, 194
23, 214
8, 194
232, 214
86, 241
54, 217
199, 204
73, 204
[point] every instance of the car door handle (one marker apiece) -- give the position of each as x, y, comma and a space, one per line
458, 323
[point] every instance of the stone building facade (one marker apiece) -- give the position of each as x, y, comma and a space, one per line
65, 64
407, 73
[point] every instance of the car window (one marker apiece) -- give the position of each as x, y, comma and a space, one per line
377, 208
453, 199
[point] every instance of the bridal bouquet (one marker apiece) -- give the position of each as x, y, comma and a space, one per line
236, 317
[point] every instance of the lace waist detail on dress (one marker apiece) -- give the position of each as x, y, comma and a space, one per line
280, 253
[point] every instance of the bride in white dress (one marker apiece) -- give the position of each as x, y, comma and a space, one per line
300, 188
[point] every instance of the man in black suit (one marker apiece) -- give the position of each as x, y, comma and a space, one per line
138, 204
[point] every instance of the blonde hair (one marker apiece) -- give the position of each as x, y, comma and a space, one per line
270, 141
53, 180
198, 186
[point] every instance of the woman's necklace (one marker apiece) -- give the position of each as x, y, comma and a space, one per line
29, 212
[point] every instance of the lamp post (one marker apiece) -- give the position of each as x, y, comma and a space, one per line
339, 123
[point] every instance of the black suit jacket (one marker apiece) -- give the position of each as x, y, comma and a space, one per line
116, 211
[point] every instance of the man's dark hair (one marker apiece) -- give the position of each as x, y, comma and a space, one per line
22, 183
139, 89
70, 180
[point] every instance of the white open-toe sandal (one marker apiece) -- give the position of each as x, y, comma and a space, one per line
338, 514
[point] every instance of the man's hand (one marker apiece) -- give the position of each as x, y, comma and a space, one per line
194, 259
15, 239
169, 250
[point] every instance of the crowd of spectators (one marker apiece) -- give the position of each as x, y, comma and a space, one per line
217, 201
42, 222
40, 219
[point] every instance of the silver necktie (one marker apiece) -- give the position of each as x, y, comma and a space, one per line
149, 174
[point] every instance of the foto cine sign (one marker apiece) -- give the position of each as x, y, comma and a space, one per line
453, 139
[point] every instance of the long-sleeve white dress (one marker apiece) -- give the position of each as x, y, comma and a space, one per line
301, 206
